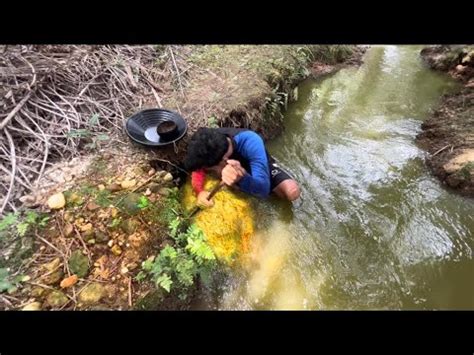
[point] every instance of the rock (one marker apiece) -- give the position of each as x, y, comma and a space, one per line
78, 264
132, 266
116, 250
37, 292
129, 226
130, 204
114, 187
53, 278
164, 191
53, 265
68, 217
91, 241
34, 306
92, 206
126, 184
110, 243
68, 229
101, 237
56, 299
124, 270
151, 172
101, 187
92, 293
148, 192
168, 177
88, 231
56, 201
68, 281
154, 187
28, 200
113, 212
86, 227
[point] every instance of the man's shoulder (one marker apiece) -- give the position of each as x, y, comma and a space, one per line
249, 134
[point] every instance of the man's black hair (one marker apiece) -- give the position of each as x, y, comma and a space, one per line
206, 148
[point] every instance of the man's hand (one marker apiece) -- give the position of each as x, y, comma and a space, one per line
202, 200
232, 172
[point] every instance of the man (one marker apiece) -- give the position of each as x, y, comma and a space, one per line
239, 158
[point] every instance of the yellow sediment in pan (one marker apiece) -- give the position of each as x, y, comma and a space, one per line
228, 225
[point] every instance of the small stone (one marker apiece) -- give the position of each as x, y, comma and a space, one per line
110, 243
28, 200
92, 206
154, 187
56, 201
164, 191
101, 237
148, 192
126, 184
68, 229
86, 227
91, 294
129, 226
120, 243
132, 266
37, 292
56, 299
113, 212
168, 177
78, 264
34, 306
91, 241
116, 250
162, 173
68, 281
53, 265
124, 270
151, 172
114, 187
101, 187
130, 203
68, 217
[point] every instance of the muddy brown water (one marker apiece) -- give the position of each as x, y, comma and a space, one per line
373, 228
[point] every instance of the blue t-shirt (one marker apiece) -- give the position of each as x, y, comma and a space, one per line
250, 146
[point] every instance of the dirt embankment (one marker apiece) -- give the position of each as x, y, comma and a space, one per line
448, 135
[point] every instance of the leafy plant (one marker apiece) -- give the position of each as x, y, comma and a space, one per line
178, 266
8, 220
143, 202
31, 219
93, 138
8, 284
212, 122
23, 225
